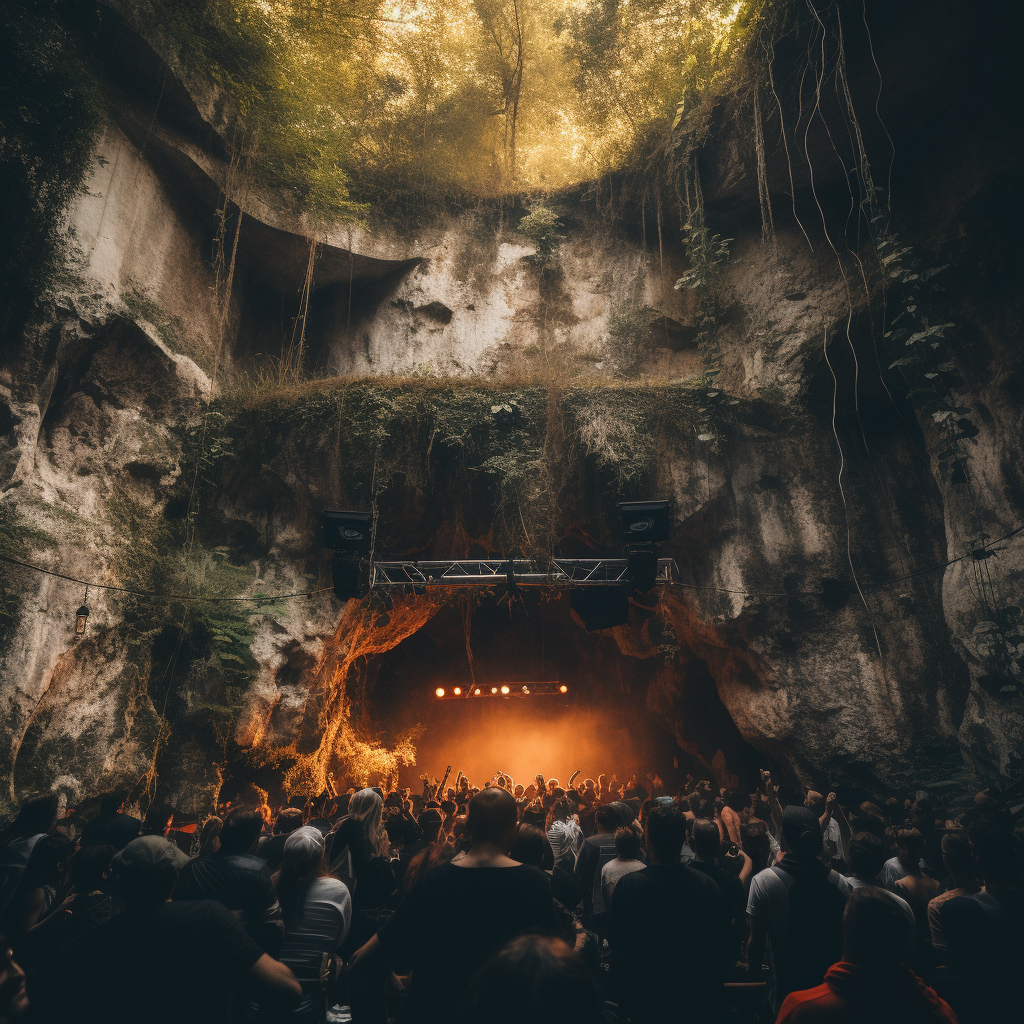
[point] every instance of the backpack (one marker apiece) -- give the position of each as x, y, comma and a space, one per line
813, 941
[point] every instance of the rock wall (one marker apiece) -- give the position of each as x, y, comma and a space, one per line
817, 606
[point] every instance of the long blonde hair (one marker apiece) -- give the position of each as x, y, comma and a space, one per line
367, 807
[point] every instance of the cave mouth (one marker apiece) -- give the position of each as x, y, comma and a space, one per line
635, 700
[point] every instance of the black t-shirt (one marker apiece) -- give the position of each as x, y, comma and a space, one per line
177, 961
730, 885
668, 929
460, 916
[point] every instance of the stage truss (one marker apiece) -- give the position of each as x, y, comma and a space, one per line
525, 572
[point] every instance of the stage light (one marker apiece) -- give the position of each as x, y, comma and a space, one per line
347, 531
644, 521
494, 689
476, 692
504, 689
457, 691
526, 690
563, 689
439, 691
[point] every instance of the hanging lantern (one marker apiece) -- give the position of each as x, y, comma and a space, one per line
82, 616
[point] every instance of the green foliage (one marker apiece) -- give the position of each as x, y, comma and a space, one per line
629, 331
410, 105
49, 117
706, 253
542, 226
280, 64
196, 653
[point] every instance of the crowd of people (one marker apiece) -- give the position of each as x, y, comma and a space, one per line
593, 902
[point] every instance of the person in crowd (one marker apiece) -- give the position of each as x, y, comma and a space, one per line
918, 890
40, 888
595, 852
962, 881
707, 849
531, 846
238, 879
871, 982
358, 848
564, 833
835, 828
667, 921
909, 844
160, 959
755, 841
209, 836
794, 911
88, 905
985, 943
317, 915
914, 886
36, 816
534, 978
271, 848
112, 827
627, 859
867, 856
460, 913
14, 1001
733, 804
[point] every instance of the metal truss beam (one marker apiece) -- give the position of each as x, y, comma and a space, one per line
528, 572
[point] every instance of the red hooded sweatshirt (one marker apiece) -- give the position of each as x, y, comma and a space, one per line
853, 994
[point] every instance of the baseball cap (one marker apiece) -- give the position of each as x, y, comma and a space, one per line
150, 852
304, 846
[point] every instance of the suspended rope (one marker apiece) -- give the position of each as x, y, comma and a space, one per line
189, 598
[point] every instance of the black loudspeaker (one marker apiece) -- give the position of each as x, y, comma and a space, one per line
348, 578
347, 531
596, 608
642, 565
644, 522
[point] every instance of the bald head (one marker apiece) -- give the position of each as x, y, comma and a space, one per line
492, 817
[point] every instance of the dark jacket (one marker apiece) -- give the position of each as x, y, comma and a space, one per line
241, 883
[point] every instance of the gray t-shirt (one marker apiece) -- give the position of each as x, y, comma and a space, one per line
613, 871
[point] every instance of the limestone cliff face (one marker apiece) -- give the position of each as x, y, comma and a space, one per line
816, 626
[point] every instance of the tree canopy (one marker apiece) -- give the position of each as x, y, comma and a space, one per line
404, 101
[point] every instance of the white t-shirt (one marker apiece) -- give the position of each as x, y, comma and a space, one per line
833, 841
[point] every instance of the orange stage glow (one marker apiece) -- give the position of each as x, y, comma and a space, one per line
563, 689
524, 737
